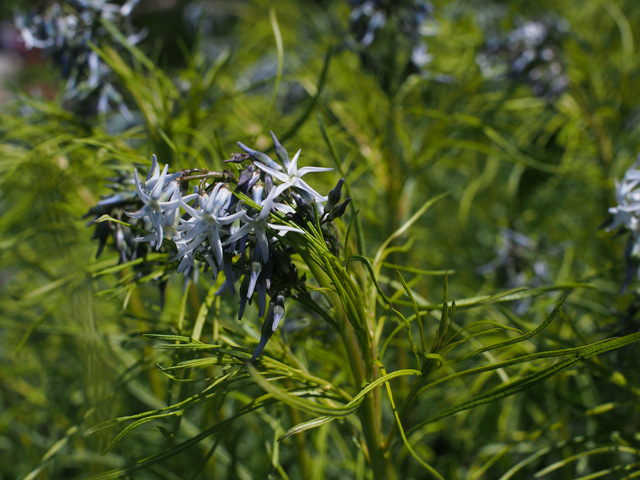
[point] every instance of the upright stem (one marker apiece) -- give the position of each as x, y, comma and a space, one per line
300, 440
360, 363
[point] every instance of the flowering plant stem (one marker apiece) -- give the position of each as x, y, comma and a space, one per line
361, 364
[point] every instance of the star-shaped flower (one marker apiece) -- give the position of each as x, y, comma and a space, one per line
258, 224
293, 176
205, 223
161, 197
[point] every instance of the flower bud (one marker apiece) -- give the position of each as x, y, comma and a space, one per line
334, 196
281, 152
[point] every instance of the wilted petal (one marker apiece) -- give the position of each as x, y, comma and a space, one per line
262, 244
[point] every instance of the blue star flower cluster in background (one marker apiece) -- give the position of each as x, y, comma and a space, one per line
390, 37
529, 53
65, 32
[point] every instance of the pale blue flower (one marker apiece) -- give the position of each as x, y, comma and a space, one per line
161, 197
626, 213
257, 225
205, 223
168, 226
293, 176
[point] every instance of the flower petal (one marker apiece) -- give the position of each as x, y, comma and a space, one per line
293, 166
274, 173
305, 170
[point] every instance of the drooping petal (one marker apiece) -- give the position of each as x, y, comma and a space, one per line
242, 231
262, 244
186, 249
216, 244
266, 205
302, 185
229, 277
210, 261
262, 296
156, 219
243, 297
185, 264
143, 212
230, 218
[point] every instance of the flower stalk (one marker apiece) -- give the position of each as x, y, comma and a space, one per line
342, 294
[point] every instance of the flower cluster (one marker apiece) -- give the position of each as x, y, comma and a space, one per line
409, 21
65, 32
529, 53
233, 225
114, 205
626, 216
521, 261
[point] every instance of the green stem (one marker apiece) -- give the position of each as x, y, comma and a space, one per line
301, 445
361, 366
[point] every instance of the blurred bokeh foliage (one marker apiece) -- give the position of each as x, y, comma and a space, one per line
524, 113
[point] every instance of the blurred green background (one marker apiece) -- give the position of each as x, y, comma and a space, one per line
525, 113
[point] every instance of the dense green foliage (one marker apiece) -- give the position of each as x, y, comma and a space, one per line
489, 189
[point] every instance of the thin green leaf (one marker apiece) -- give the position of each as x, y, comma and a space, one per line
416, 311
507, 296
314, 99
528, 381
381, 251
427, 467
338, 162
109, 218
181, 447
521, 338
372, 275
301, 427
